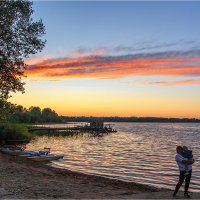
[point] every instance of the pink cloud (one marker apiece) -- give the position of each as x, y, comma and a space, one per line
170, 64
175, 83
33, 61
89, 53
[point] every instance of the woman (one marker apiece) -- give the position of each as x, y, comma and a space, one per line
184, 165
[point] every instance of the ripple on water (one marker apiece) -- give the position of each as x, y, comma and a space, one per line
139, 152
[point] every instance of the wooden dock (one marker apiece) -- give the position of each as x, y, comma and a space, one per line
78, 128
92, 127
31, 129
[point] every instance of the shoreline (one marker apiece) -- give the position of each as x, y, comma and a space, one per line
26, 179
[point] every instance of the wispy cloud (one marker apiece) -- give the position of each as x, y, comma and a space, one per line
35, 60
100, 66
88, 53
138, 47
174, 83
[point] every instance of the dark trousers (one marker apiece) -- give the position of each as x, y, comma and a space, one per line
182, 177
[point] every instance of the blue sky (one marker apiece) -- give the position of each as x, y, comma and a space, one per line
117, 58
74, 25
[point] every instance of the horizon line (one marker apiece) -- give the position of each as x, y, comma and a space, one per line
131, 117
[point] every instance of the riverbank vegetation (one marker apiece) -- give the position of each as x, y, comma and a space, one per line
16, 118
19, 114
20, 37
13, 131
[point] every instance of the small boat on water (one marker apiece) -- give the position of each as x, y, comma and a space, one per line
45, 158
15, 152
40, 156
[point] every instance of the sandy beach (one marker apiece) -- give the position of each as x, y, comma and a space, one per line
24, 179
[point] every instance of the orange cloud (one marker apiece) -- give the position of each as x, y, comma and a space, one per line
33, 61
112, 67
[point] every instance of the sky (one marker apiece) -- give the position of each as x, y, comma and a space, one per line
116, 59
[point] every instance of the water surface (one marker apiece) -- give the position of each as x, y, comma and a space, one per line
138, 152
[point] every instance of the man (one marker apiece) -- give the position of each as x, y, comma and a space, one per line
183, 164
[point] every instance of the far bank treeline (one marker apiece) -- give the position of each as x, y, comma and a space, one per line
34, 114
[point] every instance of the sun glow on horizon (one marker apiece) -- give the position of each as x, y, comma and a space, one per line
84, 98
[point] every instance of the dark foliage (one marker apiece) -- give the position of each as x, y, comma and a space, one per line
129, 119
20, 37
6, 109
12, 131
19, 114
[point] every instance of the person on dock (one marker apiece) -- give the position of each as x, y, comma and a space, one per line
182, 163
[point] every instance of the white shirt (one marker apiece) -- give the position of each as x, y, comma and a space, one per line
182, 167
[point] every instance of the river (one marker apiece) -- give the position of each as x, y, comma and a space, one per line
138, 152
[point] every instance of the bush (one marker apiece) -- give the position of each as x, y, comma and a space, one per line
11, 131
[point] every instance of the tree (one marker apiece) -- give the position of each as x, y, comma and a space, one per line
6, 110
20, 37
35, 114
49, 115
17, 113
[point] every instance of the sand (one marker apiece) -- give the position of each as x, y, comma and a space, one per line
24, 179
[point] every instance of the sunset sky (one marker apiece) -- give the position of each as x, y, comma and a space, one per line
116, 59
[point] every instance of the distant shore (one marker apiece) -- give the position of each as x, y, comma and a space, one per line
25, 179
130, 119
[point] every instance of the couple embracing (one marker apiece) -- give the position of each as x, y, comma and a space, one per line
184, 159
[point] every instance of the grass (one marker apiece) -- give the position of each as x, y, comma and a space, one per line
13, 131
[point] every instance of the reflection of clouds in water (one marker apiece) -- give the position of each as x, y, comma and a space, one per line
140, 152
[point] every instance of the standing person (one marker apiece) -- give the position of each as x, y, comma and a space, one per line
182, 162
187, 154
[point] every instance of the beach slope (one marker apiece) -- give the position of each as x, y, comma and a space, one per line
24, 179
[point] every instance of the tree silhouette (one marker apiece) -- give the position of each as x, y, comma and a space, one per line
49, 115
20, 37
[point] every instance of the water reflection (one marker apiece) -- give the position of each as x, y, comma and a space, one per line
140, 152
